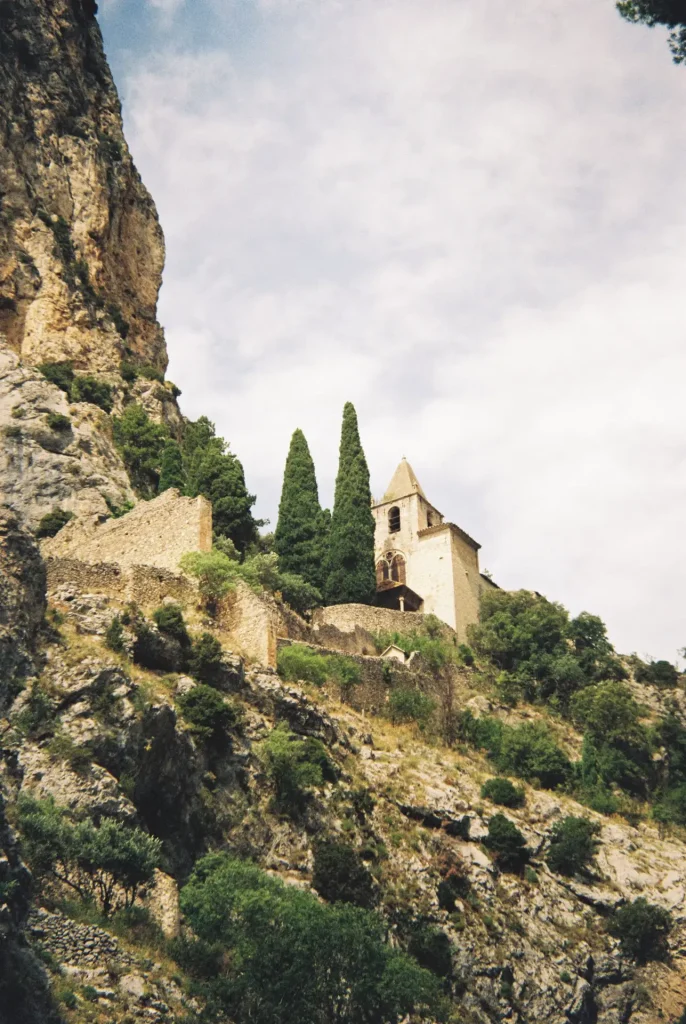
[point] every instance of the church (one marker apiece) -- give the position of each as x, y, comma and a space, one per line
423, 563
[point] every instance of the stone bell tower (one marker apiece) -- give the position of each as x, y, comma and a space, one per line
424, 563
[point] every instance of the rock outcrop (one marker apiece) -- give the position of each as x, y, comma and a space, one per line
81, 249
22, 603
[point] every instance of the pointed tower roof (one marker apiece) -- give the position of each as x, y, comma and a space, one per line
404, 482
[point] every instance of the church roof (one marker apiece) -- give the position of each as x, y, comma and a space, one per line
404, 482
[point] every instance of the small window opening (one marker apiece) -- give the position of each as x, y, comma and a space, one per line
394, 519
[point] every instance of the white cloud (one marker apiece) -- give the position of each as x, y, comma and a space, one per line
468, 221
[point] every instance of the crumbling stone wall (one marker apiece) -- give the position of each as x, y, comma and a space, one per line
352, 627
155, 533
80, 945
144, 584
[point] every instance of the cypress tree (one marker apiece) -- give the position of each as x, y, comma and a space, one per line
301, 532
171, 468
350, 565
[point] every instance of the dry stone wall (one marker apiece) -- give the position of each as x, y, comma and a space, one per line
144, 584
357, 624
155, 533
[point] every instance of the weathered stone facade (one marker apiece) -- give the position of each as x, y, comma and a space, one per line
423, 562
155, 533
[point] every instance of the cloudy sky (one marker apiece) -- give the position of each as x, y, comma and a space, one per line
468, 219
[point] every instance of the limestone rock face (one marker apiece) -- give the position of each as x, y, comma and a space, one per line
41, 468
81, 249
22, 602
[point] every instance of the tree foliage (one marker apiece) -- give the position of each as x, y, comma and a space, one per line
642, 929
506, 843
540, 652
502, 792
98, 861
211, 469
281, 955
301, 534
294, 766
573, 845
339, 875
171, 468
140, 443
671, 13
351, 576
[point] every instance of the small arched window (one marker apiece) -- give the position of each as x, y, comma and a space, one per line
394, 519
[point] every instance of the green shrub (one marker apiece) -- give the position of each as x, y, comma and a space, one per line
298, 662
59, 374
288, 957
108, 863
140, 443
670, 808
436, 650
12, 431
114, 636
410, 706
658, 673
432, 949
119, 321
339, 875
573, 845
63, 748
503, 793
298, 593
507, 844
153, 651
150, 373
90, 389
616, 746
58, 422
642, 929
466, 654
208, 714
169, 619
52, 522
344, 671
128, 371
530, 751
37, 715
205, 659
216, 573
294, 767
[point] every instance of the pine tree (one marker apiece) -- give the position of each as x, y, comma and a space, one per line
302, 530
171, 468
350, 564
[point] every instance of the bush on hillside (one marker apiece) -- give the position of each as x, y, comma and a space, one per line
205, 659
431, 948
60, 374
502, 792
61, 424
272, 953
90, 389
52, 522
340, 876
37, 715
294, 766
298, 662
617, 748
169, 619
209, 715
140, 443
642, 929
109, 862
154, 650
657, 673
405, 705
507, 844
573, 845
114, 635
539, 652
215, 571
528, 751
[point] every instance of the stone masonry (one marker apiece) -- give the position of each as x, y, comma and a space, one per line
155, 533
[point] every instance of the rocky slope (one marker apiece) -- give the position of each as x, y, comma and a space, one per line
525, 947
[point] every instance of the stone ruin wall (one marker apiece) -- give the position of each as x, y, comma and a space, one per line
365, 621
144, 584
155, 533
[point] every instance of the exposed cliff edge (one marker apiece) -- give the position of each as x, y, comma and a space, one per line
81, 249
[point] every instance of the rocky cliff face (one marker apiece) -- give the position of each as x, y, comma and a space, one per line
81, 258
81, 249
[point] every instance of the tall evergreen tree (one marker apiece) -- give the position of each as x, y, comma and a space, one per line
302, 530
350, 564
171, 468
215, 472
